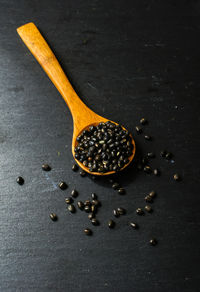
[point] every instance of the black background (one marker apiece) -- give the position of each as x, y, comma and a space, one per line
126, 59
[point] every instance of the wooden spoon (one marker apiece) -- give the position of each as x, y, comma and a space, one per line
83, 117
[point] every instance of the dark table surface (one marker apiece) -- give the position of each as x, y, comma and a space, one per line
126, 59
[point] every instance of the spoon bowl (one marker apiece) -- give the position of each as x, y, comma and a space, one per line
83, 117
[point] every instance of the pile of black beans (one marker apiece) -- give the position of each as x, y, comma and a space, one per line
103, 148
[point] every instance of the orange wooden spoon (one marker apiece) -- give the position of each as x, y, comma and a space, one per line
83, 117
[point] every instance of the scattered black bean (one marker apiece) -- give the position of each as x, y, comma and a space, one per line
115, 186
168, 156
121, 211
62, 185
93, 209
143, 121
116, 213
111, 224
150, 155
88, 231
91, 215
148, 199
87, 203
121, 191
152, 194
87, 209
74, 193
71, 208
138, 129
147, 137
139, 211
148, 209
46, 167
20, 180
147, 169
96, 203
95, 221
74, 167
153, 241
133, 225
82, 173
94, 196
145, 160
69, 200
156, 172
53, 217
80, 205
177, 177
163, 153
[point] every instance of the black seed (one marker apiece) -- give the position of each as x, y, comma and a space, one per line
91, 215
115, 186
143, 121
74, 193
94, 196
121, 211
80, 205
62, 185
95, 221
116, 213
163, 153
96, 203
82, 173
153, 241
147, 169
168, 156
111, 224
148, 209
71, 208
148, 199
144, 160
68, 200
152, 194
150, 155
93, 209
121, 191
147, 137
87, 203
53, 217
133, 225
156, 172
87, 209
138, 129
177, 177
74, 167
88, 231
139, 211
20, 180
46, 167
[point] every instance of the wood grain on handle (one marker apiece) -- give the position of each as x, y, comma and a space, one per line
44, 55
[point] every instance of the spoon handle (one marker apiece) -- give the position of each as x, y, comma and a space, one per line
44, 55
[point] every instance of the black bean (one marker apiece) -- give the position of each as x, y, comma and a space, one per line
91, 215
148, 209
133, 225
20, 180
143, 121
87, 203
115, 186
88, 231
139, 211
121, 211
94, 196
74, 167
153, 241
74, 193
71, 208
69, 200
95, 221
148, 199
152, 194
87, 209
96, 203
53, 217
111, 224
62, 185
116, 213
138, 129
80, 205
156, 172
147, 137
82, 173
177, 177
46, 167
163, 153
93, 209
150, 155
168, 156
121, 191
147, 169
